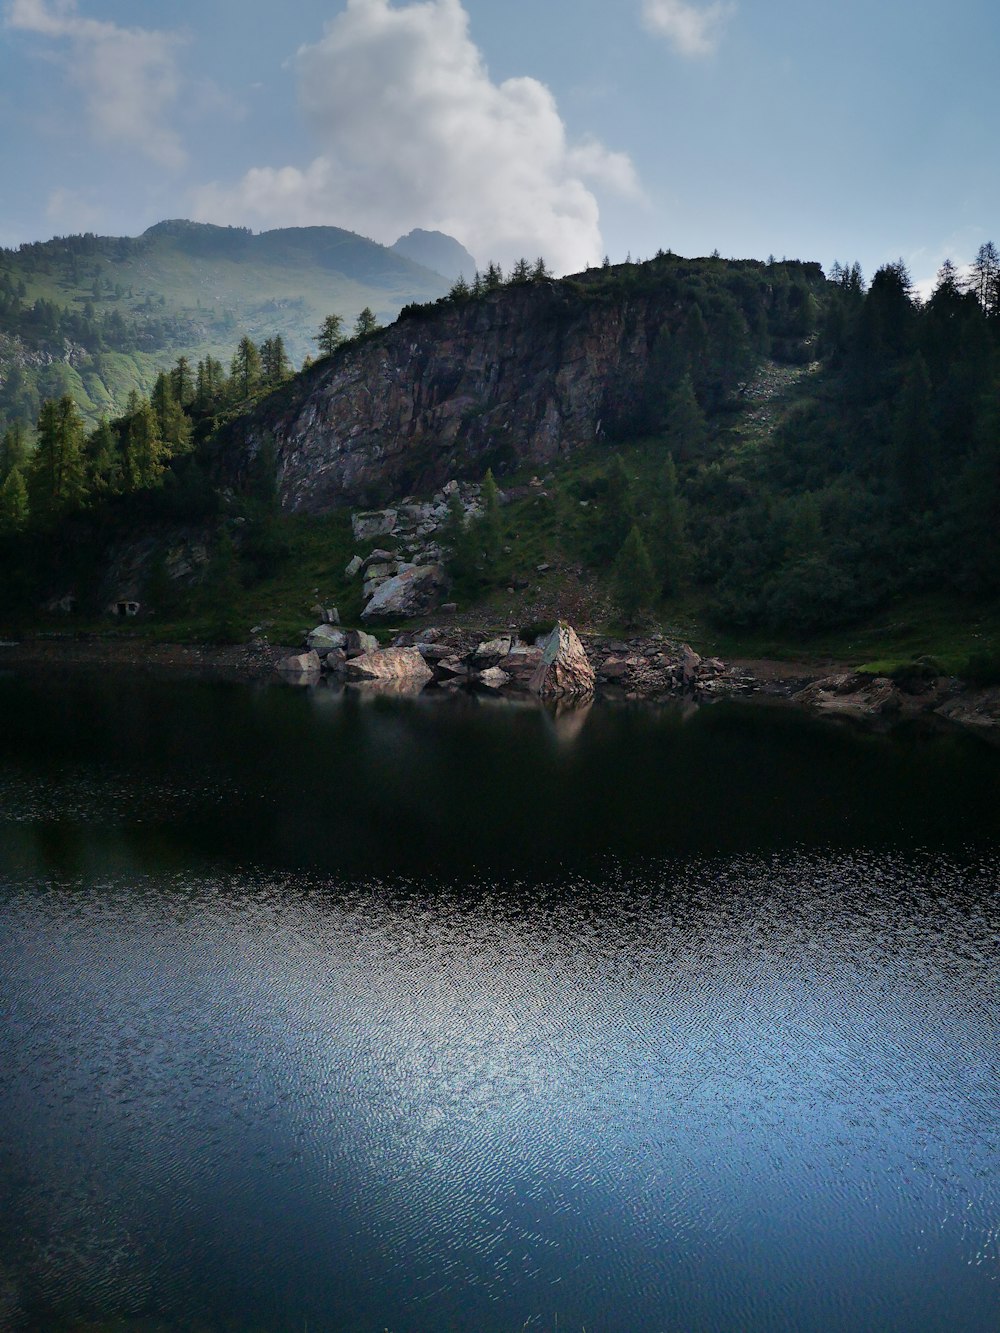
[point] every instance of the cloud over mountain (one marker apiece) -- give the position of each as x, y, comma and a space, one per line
414, 132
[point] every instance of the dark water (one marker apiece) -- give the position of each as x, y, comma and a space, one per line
359, 1015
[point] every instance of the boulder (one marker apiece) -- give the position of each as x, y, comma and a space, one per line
354, 567
373, 523
359, 642
690, 664
335, 661
324, 639
390, 664
493, 678
521, 663
852, 695
377, 557
493, 650
305, 664
412, 593
564, 668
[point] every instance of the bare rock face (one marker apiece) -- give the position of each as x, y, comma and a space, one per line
396, 664
413, 592
542, 367
564, 669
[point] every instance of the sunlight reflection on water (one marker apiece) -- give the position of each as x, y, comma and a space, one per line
742, 1092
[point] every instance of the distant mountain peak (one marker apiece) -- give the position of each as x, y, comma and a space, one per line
438, 251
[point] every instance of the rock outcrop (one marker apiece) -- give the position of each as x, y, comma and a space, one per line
390, 664
564, 668
521, 376
411, 592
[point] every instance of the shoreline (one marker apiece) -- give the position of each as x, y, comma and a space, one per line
827, 689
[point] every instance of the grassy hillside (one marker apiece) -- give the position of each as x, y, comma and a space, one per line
98, 316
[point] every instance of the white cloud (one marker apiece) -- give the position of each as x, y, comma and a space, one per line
128, 76
692, 29
414, 133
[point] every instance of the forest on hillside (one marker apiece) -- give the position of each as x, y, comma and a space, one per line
876, 475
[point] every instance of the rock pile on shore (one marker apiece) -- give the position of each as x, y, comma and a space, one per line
560, 664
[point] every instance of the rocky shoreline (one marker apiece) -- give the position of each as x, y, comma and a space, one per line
651, 668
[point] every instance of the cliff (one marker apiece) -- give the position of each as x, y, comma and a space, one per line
520, 376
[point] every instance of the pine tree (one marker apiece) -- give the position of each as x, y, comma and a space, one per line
173, 422
914, 439
669, 541
210, 384
686, 427
13, 503
103, 460
365, 323
182, 382
245, 370
56, 477
142, 447
635, 582
617, 509
275, 365
331, 335
13, 450
460, 289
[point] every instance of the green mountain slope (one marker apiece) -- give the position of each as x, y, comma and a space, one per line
97, 316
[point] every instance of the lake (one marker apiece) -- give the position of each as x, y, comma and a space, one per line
338, 1012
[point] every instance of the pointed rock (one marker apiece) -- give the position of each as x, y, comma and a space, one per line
564, 668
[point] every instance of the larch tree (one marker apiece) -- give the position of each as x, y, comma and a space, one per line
245, 370
331, 335
366, 322
13, 503
57, 476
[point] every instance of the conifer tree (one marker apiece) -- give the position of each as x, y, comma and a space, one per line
142, 446
210, 384
617, 509
913, 436
103, 460
13, 503
669, 540
331, 335
13, 449
366, 323
182, 382
245, 371
173, 422
275, 365
56, 477
635, 582
687, 430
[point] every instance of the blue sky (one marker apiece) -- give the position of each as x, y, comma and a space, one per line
816, 129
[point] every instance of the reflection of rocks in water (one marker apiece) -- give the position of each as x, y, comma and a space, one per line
569, 717
402, 688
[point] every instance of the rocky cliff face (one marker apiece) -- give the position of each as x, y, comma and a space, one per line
522, 376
